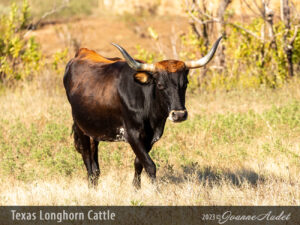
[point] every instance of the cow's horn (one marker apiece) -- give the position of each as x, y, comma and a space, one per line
203, 61
134, 64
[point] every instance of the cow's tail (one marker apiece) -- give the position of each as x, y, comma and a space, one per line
77, 141
72, 130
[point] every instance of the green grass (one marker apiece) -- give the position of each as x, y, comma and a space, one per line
31, 151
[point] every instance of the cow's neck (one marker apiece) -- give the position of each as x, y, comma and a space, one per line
159, 110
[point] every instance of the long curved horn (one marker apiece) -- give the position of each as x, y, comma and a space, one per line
203, 61
134, 64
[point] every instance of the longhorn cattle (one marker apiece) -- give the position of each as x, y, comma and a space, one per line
125, 100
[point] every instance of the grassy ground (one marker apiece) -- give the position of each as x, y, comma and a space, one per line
236, 148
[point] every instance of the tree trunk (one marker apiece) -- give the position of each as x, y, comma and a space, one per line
202, 32
288, 46
269, 17
222, 30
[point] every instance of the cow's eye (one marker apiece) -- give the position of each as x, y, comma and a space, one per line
160, 86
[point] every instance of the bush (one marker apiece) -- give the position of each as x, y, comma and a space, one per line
19, 57
250, 63
252, 59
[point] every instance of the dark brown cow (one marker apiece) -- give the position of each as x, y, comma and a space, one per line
125, 100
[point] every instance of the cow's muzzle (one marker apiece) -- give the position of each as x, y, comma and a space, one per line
178, 115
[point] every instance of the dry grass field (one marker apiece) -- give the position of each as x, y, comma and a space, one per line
236, 148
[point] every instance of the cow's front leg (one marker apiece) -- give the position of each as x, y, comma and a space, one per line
141, 148
137, 173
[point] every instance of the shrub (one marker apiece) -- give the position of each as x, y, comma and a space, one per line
20, 57
253, 57
60, 58
250, 63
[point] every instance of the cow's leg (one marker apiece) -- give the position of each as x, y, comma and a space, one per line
138, 166
148, 164
141, 148
95, 162
137, 174
88, 152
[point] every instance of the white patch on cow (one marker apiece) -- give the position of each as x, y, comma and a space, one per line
170, 116
120, 134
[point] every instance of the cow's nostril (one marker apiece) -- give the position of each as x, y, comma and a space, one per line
174, 116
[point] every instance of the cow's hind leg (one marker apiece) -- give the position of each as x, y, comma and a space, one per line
95, 162
89, 151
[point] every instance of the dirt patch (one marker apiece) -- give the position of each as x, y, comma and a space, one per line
98, 32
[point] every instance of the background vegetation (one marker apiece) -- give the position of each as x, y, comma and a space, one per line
240, 145
268, 45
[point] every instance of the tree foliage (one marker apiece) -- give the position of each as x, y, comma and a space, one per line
255, 50
20, 57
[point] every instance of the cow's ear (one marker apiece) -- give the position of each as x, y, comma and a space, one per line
142, 77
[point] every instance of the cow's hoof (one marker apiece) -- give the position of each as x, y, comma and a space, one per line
136, 184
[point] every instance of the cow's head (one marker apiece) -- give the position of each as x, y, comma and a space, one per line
170, 79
